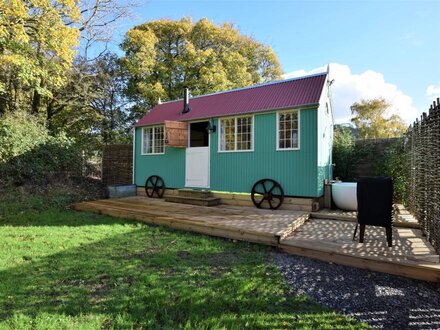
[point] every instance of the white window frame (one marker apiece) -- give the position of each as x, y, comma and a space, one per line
219, 136
153, 141
277, 145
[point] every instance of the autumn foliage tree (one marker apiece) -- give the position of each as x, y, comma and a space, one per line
36, 50
52, 55
163, 56
371, 121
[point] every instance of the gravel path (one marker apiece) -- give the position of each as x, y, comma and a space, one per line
381, 300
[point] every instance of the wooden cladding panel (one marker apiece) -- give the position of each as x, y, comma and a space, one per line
176, 134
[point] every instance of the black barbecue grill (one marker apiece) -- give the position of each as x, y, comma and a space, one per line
375, 205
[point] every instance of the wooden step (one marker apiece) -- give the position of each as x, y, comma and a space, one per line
194, 193
207, 201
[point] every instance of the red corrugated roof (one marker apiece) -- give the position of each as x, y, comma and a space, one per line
283, 94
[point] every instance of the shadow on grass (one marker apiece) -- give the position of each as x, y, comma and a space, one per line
151, 277
22, 215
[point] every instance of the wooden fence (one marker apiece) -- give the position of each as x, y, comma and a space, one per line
422, 145
117, 164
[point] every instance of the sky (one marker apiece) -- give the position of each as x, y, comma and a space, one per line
387, 49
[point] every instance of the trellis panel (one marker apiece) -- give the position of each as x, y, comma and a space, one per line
423, 161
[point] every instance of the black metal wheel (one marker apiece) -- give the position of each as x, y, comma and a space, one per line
267, 193
155, 186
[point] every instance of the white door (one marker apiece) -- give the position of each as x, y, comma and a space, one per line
197, 167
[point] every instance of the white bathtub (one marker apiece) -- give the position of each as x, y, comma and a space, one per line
344, 195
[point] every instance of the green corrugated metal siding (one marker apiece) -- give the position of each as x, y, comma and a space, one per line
295, 170
170, 166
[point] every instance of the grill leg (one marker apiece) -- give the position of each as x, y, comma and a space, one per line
355, 231
361, 232
389, 236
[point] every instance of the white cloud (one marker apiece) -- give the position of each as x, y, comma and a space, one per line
433, 91
349, 88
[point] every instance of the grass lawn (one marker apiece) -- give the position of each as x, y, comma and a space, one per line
60, 269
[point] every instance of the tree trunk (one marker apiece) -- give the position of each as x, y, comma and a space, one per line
36, 101
3, 104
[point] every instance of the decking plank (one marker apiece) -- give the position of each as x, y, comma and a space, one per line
331, 240
323, 239
252, 224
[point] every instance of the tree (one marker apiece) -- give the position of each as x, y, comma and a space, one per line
371, 121
97, 24
38, 43
163, 56
109, 101
36, 48
92, 106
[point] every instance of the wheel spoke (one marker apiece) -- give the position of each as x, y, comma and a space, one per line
264, 187
261, 202
270, 204
273, 187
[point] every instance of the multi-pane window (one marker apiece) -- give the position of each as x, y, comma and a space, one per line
244, 133
288, 130
236, 134
153, 140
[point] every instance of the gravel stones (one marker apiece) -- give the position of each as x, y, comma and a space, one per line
381, 300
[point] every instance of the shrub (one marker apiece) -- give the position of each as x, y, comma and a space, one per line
350, 155
57, 158
394, 166
343, 153
20, 132
28, 154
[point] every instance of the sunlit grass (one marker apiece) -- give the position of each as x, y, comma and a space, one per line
63, 269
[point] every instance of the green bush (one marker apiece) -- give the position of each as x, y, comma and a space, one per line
57, 158
29, 154
343, 153
20, 132
394, 166
348, 153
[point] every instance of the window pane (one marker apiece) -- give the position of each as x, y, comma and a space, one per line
227, 136
158, 140
147, 140
222, 136
236, 134
288, 131
295, 124
295, 139
244, 133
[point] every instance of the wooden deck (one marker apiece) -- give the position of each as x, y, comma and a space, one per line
331, 240
402, 217
236, 222
291, 231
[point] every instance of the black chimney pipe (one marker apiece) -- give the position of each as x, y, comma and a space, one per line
186, 108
